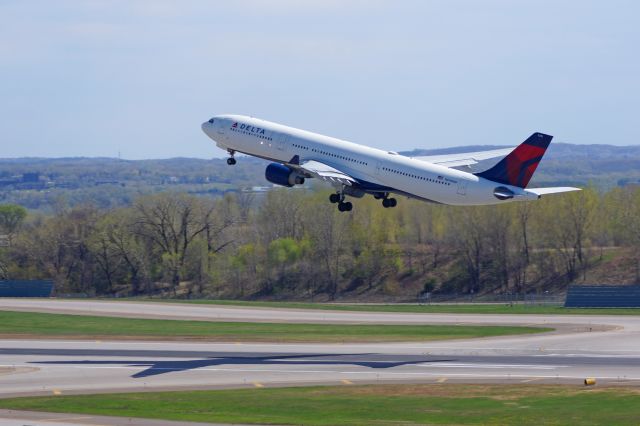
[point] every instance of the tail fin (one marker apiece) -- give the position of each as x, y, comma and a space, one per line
517, 168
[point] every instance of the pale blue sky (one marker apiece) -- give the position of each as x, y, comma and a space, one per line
94, 78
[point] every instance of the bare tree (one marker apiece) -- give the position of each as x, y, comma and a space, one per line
329, 232
468, 234
172, 222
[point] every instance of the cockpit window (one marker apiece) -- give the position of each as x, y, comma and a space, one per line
211, 121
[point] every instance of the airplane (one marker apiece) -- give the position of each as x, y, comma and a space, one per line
356, 170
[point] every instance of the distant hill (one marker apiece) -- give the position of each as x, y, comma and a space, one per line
110, 182
38, 183
556, 150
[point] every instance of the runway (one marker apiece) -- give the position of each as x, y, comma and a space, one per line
604, 347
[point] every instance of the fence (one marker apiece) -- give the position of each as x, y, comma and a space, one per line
26, 288
582, 296
507, 298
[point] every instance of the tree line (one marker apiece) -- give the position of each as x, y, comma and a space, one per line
295, 244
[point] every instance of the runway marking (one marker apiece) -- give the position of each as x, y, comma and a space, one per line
535, 379
511, 350
57, 392
430, 347
442, 380
59, 419
372, 373
346, 382
587, 355
491, 366
258, 385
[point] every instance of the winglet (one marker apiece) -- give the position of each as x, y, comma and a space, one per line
517, 168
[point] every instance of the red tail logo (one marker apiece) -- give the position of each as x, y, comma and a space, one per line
517, 168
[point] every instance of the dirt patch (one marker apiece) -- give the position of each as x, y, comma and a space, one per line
5, 371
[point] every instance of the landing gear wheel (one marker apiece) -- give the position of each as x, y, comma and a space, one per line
345, 207
334, 198
389, 202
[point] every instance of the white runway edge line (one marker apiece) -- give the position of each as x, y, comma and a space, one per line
491, 366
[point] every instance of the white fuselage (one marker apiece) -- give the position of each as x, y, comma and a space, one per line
372, 166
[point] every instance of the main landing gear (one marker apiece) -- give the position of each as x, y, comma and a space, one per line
346, 206
386, 201
389, 202
231, 160
342, 205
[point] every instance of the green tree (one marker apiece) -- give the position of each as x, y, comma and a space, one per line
11, 218
283, 254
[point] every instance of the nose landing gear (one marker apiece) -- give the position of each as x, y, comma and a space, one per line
231, 160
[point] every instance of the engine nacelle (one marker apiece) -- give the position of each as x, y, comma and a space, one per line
503, 193
282, 175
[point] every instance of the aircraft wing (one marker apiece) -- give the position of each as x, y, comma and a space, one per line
322, 171
465, 158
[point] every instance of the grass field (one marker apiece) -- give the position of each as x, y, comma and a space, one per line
462, 308
52, 325
360, 405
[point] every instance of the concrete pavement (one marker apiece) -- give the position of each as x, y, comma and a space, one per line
604, 347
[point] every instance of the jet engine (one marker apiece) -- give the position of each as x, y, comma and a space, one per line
503, 193
282, 175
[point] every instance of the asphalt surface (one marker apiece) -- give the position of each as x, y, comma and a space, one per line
210, 312
604, 347
31, 418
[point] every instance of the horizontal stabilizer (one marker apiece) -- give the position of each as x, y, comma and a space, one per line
555, 190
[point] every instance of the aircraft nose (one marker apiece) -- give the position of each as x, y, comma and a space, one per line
205, 127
